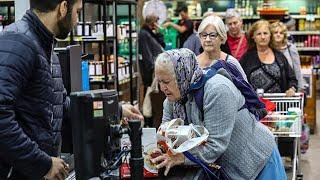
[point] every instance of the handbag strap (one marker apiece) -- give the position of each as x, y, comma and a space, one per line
238, 47
202, 164
288, 47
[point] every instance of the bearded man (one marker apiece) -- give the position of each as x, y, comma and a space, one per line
32, 95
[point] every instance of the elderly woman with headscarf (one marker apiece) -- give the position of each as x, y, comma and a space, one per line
242, 146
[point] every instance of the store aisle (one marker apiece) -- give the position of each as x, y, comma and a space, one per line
310, 162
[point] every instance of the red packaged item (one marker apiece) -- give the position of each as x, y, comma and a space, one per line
270, 106
313, 41
125, 171
309, 40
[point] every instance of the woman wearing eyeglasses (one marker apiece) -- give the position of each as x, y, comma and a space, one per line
212, 33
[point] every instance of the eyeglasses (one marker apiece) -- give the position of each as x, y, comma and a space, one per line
212, 35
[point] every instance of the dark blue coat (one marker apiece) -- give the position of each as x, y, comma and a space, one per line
31, 99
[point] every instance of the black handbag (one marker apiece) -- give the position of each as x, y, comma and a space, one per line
213, 171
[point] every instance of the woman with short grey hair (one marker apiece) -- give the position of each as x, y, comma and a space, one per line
242, 146
230, 13
213, 34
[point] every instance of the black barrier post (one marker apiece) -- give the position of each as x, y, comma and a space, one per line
136, 160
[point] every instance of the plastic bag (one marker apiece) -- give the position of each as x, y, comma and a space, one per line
179, 137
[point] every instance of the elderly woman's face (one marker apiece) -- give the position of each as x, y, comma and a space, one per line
262, 36
167, 84
278, 35
210, 39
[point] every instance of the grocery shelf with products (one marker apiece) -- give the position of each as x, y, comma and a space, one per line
306, 14
6, 13
307, 41
110, 48
304, 32
306, 36
309, 50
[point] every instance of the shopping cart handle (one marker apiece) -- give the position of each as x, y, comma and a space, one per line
281, 94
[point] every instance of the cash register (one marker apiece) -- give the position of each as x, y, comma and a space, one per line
96, 135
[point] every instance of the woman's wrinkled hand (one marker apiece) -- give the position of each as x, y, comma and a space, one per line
290, 92
168, 161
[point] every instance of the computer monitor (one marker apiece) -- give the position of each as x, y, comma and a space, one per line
93, 114
70, 62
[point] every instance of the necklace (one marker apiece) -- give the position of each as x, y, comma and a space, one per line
266, 56
264, 52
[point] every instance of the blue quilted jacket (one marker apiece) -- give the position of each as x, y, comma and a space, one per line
32, 100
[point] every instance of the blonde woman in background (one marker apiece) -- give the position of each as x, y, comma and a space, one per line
267, 68
279, 41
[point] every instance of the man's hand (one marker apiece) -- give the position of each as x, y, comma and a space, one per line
131, 112
167, 24
59, 169
168, 162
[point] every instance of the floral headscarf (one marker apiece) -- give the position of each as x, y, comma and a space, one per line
187, 71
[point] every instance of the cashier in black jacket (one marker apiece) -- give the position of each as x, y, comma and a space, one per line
32, 99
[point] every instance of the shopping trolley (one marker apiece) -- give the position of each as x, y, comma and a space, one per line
285, 122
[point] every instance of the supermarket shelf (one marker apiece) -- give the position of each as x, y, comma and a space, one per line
96, 1
317, 67
110, 1
86, 39
305, 16
96, 76
92, 39
7, 2
223, 14
100, 79
91, 1
125, 38
304, 32
120, 65
126, 2
255, 17
193, 18
251, 17
96, 81
308, 48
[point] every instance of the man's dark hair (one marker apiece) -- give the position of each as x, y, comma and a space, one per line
182, 7
49, 5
